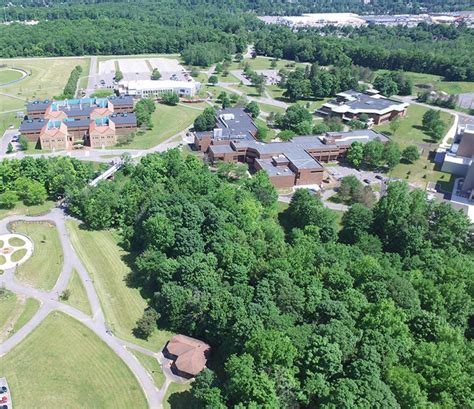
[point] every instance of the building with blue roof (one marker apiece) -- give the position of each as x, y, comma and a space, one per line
77, 119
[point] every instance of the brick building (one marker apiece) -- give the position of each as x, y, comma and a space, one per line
351, 104
94, 122
292, 163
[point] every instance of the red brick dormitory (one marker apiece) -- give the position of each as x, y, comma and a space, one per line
95, 122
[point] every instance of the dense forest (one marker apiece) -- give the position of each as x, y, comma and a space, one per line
433, 49
298, 314
284, 7
35, 180
206, 31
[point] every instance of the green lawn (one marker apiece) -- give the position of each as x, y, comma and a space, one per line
177, 396
7, 75
271, 132
141, 56
84, 79
271, 108
22, 209
439, 84
28, 310
411, 133
168, 121
122, 305
11, 104
264, 63
152, 365
63, 364
78, 295
15, 312
48, 75
8, 304
43, 268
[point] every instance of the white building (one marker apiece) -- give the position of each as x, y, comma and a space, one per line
152, 88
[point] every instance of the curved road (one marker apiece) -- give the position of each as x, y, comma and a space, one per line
50, 302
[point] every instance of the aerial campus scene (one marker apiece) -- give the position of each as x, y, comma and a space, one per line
249, 204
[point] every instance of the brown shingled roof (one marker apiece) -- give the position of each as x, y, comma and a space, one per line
190, 353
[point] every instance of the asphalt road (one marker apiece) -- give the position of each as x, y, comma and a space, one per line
97, 323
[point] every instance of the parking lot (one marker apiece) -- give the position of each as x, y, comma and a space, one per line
271, 76
134, 69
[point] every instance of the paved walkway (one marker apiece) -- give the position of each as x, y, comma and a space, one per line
50, 302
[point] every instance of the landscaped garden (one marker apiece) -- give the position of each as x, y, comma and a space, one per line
43, 268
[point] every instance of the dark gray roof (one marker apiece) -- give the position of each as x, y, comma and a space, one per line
121, 100
128, 118
364, 101
38, 105
29, 125
240, 128
74, 111
221, 149
78, 123
267, 166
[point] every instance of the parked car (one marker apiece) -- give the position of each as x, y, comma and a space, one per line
379, 177
367, 181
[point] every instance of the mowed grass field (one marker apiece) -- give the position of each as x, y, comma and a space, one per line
122, 305
42, 269
167, 121
15, 312
411, 132
21, 208
7, 75
48, 75
62, 364
438, 82
78, 295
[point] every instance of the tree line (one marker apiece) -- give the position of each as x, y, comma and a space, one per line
433, 49
298, 313
35, 180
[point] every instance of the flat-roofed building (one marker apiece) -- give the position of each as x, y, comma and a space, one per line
293, 163
351, 104
151, 88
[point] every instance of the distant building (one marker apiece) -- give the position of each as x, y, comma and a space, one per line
189, 355
95, 122
351, 104
293, 163
151, 88
459, 161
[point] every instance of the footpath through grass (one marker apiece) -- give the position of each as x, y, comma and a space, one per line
15, 312
62, 364
122, 305
78, 295
42, 269
152, 365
